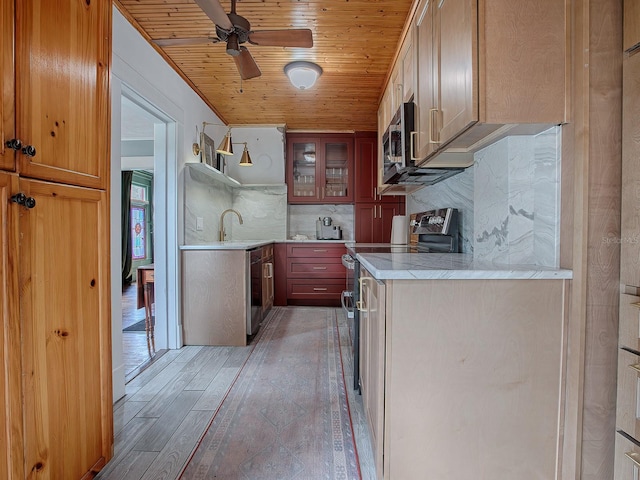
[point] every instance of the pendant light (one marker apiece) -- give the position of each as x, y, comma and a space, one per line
226, 146
245, 161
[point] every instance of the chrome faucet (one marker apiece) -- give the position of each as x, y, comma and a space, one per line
221, 233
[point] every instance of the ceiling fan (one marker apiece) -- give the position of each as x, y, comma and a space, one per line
236, 30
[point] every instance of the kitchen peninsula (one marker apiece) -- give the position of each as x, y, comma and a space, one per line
463, 366
220, 291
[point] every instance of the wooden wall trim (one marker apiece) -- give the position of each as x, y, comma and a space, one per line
590, 208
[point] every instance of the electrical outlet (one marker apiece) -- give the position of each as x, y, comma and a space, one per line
199, 224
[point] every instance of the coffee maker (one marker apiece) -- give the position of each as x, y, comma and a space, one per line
326, 231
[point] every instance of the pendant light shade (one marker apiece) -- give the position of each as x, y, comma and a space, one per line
302, 75
245, 161
226, 147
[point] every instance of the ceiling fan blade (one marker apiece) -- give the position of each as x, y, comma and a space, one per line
216, 13
170, 42
282, 38
246, 64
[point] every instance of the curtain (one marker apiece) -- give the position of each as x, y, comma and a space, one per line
126, 227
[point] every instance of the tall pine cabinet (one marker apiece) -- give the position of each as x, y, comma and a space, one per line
55, 339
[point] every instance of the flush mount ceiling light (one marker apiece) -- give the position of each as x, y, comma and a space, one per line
302, 75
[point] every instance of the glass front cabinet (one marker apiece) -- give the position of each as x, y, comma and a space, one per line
320, 168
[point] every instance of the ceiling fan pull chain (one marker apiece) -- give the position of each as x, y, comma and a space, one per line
241, 91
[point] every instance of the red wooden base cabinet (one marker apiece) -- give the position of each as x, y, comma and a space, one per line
309, 273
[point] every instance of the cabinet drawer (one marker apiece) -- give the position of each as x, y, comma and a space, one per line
628, 408
329, 268
309, 289
626, 455
316, 250
629, 321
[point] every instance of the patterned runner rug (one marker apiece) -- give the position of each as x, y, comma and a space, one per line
286, 416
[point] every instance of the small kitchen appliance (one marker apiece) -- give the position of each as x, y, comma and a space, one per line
326, 231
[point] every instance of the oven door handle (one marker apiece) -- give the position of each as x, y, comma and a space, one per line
348, 310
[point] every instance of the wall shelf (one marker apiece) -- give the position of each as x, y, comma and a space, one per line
213, 174
206, 173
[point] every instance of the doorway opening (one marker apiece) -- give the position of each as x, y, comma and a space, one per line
143, 160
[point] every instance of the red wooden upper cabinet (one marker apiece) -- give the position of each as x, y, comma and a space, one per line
320, 168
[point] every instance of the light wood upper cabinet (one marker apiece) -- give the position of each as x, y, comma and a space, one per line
62, 90
486, 70
7, 94
631, 16
408, 68
426, 81
456, 25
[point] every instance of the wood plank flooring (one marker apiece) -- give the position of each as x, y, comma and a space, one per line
168, 407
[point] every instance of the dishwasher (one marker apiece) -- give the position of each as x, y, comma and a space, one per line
254, 312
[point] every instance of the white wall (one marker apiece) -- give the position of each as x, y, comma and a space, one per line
137, 66
266, 148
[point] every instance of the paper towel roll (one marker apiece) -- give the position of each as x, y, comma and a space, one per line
399, 230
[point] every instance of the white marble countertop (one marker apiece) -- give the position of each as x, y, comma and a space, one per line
228, 245
249, 244
451, 266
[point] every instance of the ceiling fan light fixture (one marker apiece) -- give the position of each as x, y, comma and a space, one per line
233, 46
245, 161
302, 75
226, 147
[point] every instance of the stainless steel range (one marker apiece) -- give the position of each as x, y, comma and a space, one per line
429, 232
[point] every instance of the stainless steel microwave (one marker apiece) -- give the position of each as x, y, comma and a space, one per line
396, 144
399, 163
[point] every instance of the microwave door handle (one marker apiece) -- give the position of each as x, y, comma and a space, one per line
412, 135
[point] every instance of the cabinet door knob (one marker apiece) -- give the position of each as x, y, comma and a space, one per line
14, 144
22, 199
29, 150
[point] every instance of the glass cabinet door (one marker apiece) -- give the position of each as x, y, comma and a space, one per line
304, 169
336, 170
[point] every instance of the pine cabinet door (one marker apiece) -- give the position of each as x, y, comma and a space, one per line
11, 457
66, 334
7, 94
62, 90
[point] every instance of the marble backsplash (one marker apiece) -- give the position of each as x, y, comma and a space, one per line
454, 192
263, 210
509, 200
302, 219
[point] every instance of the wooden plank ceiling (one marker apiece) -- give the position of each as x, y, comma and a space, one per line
354, 42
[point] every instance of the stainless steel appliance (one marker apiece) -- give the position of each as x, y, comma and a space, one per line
254, 313
326, 231
398, 153
434, 231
